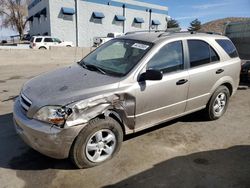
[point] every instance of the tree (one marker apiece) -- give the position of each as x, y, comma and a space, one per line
173, 23
195, 25
13, 14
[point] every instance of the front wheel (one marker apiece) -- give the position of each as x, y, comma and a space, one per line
98, 142
42, 48
218, 103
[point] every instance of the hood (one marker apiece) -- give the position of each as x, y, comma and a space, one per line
67, 85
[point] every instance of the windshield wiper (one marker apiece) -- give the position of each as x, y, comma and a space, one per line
92, 67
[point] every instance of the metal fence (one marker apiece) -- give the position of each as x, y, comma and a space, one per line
239, 33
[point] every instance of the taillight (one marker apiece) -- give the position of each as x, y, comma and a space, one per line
34, 44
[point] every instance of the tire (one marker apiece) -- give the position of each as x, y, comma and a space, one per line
68, 46
86, 147
42, 48
218, 103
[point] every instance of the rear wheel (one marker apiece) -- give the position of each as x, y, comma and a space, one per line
98, 142
218, 103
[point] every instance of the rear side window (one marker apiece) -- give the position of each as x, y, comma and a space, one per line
201, 53
48, 40
38, 39
228, 46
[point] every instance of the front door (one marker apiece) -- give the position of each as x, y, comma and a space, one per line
157, 101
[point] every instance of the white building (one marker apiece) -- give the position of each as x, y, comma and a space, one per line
82, 20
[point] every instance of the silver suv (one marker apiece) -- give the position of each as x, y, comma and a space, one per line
126, 85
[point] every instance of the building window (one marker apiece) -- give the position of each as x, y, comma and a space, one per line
44, 13
155, 24
37, 15
119, 20
67, 13
97, 17
138, 22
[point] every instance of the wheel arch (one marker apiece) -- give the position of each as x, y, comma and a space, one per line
229, 87
225, 81
42, 47
117, 117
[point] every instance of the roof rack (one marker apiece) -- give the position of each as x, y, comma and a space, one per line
166, 33
212, 33
144, 31
171, 31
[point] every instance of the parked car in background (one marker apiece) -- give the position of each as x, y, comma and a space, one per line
245, 71
45, 42
3, 42
126, 85
101, 40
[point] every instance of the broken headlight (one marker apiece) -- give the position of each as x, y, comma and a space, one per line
55, 115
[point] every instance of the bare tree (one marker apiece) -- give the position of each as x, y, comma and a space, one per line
14, 14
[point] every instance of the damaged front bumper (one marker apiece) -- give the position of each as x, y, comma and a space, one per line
43, 137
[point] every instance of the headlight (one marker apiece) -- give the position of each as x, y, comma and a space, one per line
56, 115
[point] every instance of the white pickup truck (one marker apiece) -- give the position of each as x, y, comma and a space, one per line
101, 40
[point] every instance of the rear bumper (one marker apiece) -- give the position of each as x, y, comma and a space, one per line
50, 141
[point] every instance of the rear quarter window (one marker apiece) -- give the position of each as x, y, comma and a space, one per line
228, 46
38, 40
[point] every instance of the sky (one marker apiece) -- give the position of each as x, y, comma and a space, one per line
184, 11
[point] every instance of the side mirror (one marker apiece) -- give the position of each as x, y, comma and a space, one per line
151, 75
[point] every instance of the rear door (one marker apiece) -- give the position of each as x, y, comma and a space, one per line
205, 70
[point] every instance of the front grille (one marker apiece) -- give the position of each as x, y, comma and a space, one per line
25, 102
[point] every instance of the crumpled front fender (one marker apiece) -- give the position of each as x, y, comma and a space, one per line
85, 110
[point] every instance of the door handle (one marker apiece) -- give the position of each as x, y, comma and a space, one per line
219, 71
181, 82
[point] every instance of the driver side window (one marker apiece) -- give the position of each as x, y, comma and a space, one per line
168, 59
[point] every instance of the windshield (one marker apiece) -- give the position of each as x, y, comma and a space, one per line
57, 40
118, 56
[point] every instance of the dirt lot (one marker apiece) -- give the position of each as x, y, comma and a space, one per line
187, 152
